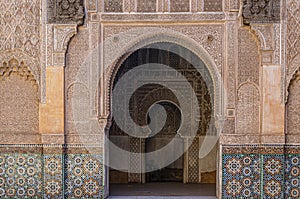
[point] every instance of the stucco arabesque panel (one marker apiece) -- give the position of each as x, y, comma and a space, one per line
61, 37
20, 34
270, 39
209, 36
292, 43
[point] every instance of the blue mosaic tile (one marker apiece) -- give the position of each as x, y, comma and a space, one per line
277, 166
47, 172
292, 176
273, 176
20, 175
83, 176
53, 176
241, 176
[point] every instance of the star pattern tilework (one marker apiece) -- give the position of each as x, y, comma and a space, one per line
241, 176
20, 175
83, 176
292, 176
273, 176
53, 184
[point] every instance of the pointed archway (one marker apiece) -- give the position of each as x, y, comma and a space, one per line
187, 168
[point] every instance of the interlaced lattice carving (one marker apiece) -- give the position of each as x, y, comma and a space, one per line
248, 109
146, 6
213, 5
248, 58
179, 5
293, 37
193, 161
293, 59
19, 26
135, 160
248, 80
113, 5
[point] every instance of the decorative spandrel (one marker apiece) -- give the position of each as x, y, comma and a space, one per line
65, 11
261, 11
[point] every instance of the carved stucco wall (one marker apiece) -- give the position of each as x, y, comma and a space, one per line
146, 6
248, 102
76, 74
113, 6
18, 99
293, 36
248, 109
118, 6
20, 68
293, 106
81, 87
179, 6
213, 5
77, 102
293, 66
20, 32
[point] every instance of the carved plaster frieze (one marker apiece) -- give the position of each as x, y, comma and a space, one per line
65, 11
261, 11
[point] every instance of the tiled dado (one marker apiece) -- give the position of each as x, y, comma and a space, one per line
260, 171
40, 171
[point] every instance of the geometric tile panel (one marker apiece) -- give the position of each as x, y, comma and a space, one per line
20, 175
273, 176
53, 178
83, 176
241, 176
37, 171
269, 172
292, 176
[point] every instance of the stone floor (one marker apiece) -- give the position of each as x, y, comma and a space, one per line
162, 197
163, 191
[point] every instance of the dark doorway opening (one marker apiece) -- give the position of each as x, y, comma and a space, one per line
185, 176
174, 171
